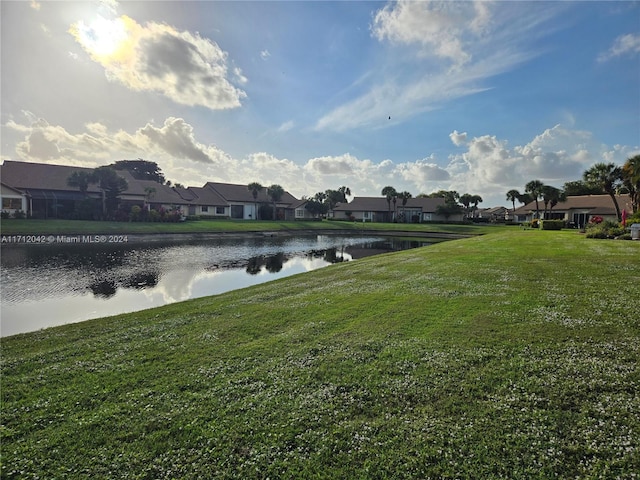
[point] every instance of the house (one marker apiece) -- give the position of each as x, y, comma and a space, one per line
575, 210
377, 209
41, 191
494, 214
45, 187
13, 200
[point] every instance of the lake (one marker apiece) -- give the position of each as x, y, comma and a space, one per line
44, 286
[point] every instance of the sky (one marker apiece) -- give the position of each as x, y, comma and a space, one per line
476, 97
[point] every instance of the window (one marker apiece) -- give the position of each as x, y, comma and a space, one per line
426, 217
299, 212
204, 208
367, 215
11, 203
219, 210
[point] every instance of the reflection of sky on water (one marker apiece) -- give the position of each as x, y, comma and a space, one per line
42, 287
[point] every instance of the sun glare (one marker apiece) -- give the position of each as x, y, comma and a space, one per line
102, 37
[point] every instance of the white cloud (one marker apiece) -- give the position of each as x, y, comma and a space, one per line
286, 126
623, 45
453, 47
264, 54
458, 138
183, 66
442, 29
489, 166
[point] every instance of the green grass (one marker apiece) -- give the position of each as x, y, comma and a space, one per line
510, 355
41, 227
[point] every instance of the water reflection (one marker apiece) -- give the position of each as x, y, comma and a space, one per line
45, 286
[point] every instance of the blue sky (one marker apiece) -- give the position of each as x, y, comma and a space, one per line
477, 97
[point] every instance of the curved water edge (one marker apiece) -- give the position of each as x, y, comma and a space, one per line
72, 282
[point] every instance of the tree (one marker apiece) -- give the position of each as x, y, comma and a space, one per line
607, 177
451, 197
512, 196
579, 187
315, 208
141, 169
80, 180
111, 185
332, 198
631, 180
404, 196
275, 193
254, 188
466, 200
390, 193
534, 188
551, 195
149, 192
344, 191
476, 199
448, 209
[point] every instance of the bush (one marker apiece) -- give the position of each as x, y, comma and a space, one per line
552, 224
19, 215
5, 215
604, 229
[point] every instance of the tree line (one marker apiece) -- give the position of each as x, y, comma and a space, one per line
601, 178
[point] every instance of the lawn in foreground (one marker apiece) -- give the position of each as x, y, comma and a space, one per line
512, 355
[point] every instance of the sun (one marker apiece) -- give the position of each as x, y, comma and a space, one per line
102, 37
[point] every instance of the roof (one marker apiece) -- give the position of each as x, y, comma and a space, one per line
595, 204
40, 176
30, 176
44, 180
241, 193
380, 204
207, 196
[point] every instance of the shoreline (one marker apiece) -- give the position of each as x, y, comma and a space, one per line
137, 238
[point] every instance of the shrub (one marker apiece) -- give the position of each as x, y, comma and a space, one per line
5, 215
552, 224
604, 229
19, 214
134, 215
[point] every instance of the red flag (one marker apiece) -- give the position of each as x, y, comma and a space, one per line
624, 218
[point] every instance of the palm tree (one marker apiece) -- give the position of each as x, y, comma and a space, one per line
466, 200
476, 199
534, 188
390, 193
255, 188
111, 185
512, 196
550, 195
275, 192
404, 196
607, 177
344, 191
631, 179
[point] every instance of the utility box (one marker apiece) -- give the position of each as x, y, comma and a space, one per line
635, 231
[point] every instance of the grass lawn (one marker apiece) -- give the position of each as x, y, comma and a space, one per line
509, 355
42, 227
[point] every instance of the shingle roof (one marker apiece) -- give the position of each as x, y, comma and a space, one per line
48, 177
207, 196
380, 204
241, 193
595, 204
44, 176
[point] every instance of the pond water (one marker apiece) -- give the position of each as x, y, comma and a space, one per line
43, 286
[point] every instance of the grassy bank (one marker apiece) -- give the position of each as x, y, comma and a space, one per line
46, 227
510, 355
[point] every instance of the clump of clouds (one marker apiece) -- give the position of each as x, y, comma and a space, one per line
183, 66
623, 45
440, 28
